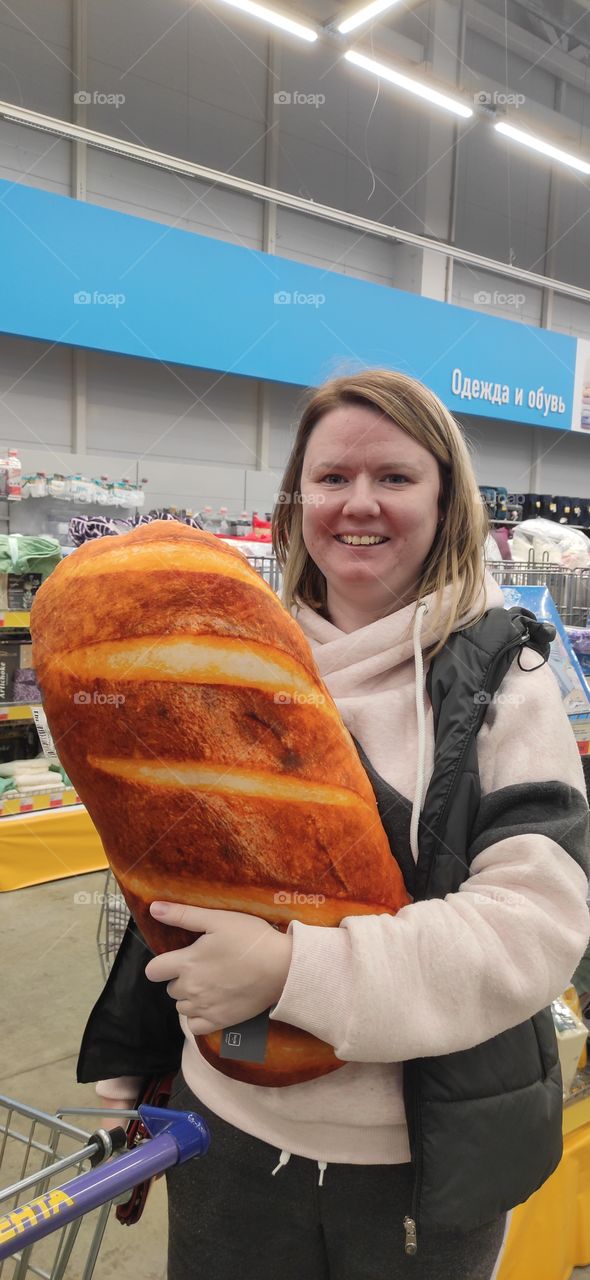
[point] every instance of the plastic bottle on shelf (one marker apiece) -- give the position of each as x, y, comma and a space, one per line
244, 525
38, 485
14, 493
223, 526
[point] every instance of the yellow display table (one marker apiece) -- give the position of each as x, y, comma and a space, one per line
550, 1234
48, 845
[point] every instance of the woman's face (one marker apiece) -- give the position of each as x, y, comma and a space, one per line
364, 476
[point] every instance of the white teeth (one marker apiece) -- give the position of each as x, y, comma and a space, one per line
353, 539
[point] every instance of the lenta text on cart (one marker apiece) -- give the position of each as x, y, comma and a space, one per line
28, 1215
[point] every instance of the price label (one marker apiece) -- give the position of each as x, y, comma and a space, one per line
44, 734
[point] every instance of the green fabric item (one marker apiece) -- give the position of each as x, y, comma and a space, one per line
58, 768
26, 553
6, 784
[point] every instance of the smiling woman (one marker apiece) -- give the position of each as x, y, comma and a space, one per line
444, 1108
384, 502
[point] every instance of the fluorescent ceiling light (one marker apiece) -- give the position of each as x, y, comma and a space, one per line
537, 144
276, 19
365, 14
412, 86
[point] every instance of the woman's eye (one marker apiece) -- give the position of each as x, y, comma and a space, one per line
333, 476
396, 476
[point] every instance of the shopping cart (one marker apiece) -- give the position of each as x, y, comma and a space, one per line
112, 923
569, 588
64, 1222
268, 567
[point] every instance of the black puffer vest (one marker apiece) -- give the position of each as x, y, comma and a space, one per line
485, 1124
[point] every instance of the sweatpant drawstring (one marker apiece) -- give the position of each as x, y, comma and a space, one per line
284, 1158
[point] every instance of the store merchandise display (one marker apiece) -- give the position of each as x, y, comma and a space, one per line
23, 554
81, 489
10, 476
511, 508
84, 528
544, 540
572, 1035
574, 689
579, 638
191, 648
25, 777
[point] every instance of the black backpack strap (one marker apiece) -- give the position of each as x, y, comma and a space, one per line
461, 682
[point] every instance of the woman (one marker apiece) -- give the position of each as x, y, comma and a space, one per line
379, 531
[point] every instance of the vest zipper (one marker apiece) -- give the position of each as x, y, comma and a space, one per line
410, 1229
413, 1096
412, 1100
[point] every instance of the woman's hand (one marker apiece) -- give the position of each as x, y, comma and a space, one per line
235, 971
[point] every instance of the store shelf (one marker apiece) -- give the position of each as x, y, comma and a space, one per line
576, 1108
48, 845
10, 807
15, 618
15, 711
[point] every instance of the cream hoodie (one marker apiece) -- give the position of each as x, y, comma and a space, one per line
442, 975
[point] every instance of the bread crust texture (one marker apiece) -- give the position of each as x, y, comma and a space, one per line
187, 709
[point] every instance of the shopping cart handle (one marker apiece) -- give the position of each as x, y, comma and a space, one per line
177, 1136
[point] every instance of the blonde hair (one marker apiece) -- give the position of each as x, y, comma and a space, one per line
456, 555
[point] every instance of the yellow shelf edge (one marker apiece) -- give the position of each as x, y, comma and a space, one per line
15, 618
40, 803
16, 711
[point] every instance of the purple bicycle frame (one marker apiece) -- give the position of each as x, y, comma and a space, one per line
175, 1136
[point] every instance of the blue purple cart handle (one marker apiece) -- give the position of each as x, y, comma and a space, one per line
175, 1136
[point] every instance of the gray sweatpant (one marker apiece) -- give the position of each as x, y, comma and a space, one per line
230, 1219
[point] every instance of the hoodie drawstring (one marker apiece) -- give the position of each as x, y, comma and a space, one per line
284, 1158
421, 611
421, 718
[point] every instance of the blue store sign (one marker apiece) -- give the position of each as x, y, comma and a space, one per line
82, 275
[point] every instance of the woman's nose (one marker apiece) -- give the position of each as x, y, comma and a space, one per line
360, 499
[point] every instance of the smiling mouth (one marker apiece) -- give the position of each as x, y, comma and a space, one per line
361, 539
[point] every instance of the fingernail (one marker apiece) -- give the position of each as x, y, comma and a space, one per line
159, 908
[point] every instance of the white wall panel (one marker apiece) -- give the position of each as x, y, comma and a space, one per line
150, 410
35, 399
35, 159
35, 56
565, 464
501, 451
130, 187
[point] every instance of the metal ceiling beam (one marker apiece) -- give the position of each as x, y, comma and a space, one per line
175, 164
